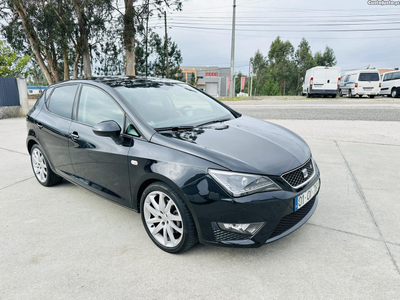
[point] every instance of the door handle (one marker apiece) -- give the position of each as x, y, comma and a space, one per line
40, 126
74, 135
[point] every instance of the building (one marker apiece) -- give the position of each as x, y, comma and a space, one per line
212, 80
35, 90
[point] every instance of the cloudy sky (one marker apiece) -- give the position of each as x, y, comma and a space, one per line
360, 34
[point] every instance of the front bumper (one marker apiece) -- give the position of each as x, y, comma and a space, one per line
210, 204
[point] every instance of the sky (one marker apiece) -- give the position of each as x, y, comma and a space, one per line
360, 34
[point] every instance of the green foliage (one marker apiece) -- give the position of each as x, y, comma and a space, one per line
327, 58
159, 67
10, 64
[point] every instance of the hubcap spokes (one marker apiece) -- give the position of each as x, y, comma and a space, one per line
163, 219
39, 165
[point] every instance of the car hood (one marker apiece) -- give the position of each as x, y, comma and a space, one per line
244, 144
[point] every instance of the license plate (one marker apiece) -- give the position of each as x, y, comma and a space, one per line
318, 85
368, 89
302, 200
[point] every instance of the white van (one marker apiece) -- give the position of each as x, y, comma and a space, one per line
321, 81
360, 83
391, 84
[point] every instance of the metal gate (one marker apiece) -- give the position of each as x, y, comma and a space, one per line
212, 88
9, 95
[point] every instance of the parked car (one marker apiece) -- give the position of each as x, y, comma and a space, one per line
195, 169
391, 84
360, 83
321, 81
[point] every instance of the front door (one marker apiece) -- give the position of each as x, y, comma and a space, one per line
99, 163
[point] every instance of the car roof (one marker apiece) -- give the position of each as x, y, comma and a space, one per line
116, 81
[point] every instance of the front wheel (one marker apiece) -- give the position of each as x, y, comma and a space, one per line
167, 219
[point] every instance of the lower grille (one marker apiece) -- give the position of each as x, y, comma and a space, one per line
292, 219
221, 235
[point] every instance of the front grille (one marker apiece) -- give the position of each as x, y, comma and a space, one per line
296, 177
292, 219
221, 235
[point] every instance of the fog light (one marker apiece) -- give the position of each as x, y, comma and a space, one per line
248, 228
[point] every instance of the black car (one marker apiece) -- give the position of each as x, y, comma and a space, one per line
194, 168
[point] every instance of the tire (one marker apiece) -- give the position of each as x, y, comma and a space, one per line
350, 94
334, 96
394, 93
372, 96
308, 95
41, 168
176, 238
340, 93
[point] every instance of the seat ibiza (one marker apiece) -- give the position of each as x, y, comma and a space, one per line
196, 170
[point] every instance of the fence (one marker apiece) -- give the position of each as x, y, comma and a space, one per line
9, 95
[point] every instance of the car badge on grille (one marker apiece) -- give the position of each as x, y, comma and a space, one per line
311, 166
305, 173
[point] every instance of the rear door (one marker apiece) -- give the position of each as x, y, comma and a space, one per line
319, 79
53, 124
386, 83
368, 81
332, 76
99, 163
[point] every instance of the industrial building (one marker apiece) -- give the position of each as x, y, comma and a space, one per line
212, 80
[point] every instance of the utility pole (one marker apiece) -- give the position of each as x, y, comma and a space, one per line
232, 90
251, 79
166, 42
147, 35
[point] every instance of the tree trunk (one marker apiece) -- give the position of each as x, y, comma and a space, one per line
76, 62
129, 37
83, 40
32, 38
66, 65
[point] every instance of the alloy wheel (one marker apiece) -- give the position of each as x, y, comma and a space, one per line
39, 165
163, 219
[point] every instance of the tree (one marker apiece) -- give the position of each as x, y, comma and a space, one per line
327, 58
10, 64
159, 66
133, 18
56, 31
304, 61
281, 64
260, 64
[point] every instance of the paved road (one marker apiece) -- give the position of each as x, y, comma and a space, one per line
385, 109
67, 243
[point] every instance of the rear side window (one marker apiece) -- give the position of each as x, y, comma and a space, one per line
388, 77
396, 75
96, 106
368, 77
62, 100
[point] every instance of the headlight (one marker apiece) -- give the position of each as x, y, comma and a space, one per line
239, 184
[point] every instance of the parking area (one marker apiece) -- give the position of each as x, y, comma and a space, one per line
64, 242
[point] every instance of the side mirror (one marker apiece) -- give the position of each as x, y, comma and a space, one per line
109, 129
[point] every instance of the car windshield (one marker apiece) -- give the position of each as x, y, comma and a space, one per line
368, 77
164, 105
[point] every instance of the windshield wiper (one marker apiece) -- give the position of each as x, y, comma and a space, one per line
173, 128
214, 121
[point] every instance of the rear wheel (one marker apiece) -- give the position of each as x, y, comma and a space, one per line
334, 96
167, 219
340, 93
394, 93
40, 165
372, 96
350, 94
308, 94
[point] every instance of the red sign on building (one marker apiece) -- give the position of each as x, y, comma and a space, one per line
212, 74
228, 83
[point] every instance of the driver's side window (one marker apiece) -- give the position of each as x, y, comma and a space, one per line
96, 106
